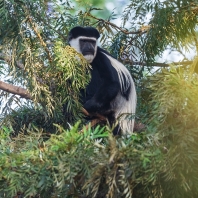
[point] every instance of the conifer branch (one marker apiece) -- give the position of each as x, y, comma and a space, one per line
8, 59
40, 38
19, 65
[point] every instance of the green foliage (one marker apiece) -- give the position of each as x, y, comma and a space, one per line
70, 74
29, 41
48, 69
161, 162
171, 23
63, 79
27, 117
175, 96
91, 164
174, 23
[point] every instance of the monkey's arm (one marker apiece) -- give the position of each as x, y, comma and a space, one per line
100, 102
107, 90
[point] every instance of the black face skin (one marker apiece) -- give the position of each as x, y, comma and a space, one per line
87, 46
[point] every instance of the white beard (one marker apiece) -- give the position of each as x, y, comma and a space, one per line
89, 58
75, 44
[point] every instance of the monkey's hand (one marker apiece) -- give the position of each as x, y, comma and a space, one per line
92, 106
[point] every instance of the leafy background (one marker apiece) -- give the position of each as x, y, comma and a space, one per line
46, 151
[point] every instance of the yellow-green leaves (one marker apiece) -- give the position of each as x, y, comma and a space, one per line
70, 74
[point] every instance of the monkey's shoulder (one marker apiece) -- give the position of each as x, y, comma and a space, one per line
102, 63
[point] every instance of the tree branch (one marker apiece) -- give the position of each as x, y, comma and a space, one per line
15, 90
141, 31
156, 63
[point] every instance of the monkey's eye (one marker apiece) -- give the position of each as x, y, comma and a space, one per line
88, 41
92, 42
83, 40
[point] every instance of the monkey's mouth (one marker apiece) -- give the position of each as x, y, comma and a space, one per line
88, 53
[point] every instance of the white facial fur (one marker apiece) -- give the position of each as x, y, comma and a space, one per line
75, 44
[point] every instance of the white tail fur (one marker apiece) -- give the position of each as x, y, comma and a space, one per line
123, 106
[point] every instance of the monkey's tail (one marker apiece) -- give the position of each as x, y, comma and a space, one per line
125, 108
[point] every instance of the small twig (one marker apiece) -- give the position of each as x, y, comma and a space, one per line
97, 115
85, 112
41, 39
99, 118
58, 32
196, 41
115, 26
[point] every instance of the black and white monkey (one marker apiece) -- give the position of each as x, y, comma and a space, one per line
111, 91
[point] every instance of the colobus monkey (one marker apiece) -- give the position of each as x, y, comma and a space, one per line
111, 91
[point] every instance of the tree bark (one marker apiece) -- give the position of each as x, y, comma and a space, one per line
15, 90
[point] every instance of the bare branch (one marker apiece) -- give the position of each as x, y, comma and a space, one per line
156, 63
141, 31
15, 90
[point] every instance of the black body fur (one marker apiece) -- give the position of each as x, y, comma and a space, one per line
104, 85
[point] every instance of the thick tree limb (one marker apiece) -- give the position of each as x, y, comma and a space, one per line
100, 118
15, 90
24, 93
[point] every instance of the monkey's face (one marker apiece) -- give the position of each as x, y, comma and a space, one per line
87, 46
